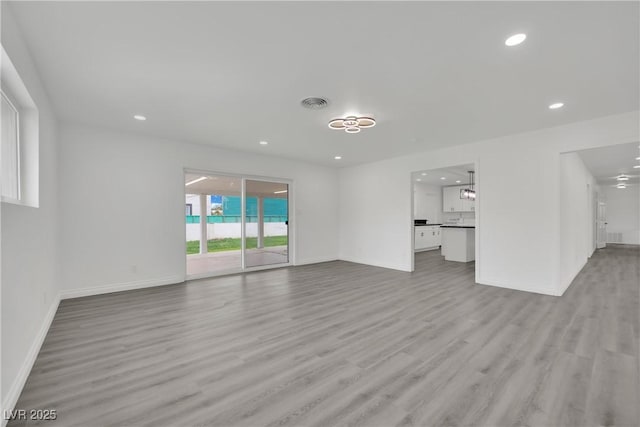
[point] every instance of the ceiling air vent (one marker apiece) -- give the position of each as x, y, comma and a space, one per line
314, 103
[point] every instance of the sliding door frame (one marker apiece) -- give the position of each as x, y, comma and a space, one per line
291, 250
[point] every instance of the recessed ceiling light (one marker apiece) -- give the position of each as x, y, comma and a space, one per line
458, 182
418, 180
338, 157
263, 142
622, 178
556, 105
515, 39
443, 178
423, 174
280, 192
636, 166
139, 117
637, 158
621, 186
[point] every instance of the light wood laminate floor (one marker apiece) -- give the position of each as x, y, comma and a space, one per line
347, 344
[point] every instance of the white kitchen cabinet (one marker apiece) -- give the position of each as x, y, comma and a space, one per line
427, 237
458, 244
451, 201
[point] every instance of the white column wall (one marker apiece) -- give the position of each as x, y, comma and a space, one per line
576, 217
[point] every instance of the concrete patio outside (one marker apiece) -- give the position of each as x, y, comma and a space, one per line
229, 260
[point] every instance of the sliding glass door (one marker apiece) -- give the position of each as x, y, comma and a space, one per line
266, 223
213, 221
234, 223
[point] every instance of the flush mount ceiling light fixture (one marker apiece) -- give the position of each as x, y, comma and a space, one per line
140, 117
622, 178
469, 193
556, 105
352, 124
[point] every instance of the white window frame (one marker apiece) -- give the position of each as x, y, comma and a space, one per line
16, 92
18, 150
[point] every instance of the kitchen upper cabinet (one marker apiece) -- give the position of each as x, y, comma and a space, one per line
451, 201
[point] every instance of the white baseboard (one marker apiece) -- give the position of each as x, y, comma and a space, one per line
537, 290
389, 266
18, 384
118, 287
315, 260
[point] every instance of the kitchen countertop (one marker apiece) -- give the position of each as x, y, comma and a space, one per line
457, 226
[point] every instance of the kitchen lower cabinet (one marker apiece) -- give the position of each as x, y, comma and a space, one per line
427, 237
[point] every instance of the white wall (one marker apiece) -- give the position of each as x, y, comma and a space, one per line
576, 216
427, 202
105, 173
517, 211
623, 213
29, 261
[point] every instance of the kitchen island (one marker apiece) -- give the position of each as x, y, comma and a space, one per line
458, 242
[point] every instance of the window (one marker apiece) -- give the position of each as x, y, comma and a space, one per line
19, 139
189, 209
10, 144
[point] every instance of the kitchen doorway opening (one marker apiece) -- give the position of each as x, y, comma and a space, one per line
235, 223
444, 216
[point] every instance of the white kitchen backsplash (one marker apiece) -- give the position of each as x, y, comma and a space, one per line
466, 218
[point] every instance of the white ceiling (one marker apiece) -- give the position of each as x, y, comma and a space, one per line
606, 163
433, 74
450, 175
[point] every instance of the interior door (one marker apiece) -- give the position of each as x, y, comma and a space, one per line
266, 233
601, 225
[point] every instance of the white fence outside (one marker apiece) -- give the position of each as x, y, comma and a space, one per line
233, 230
